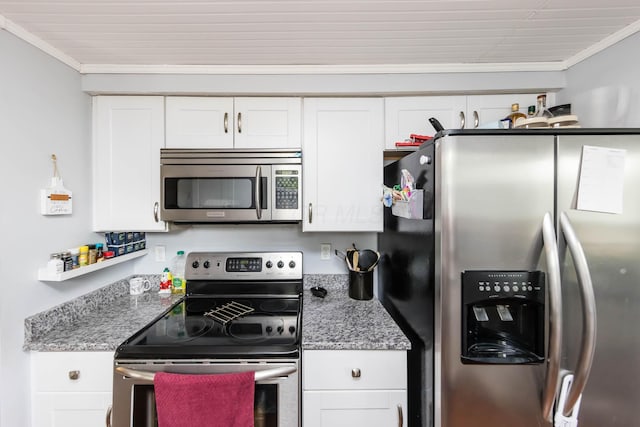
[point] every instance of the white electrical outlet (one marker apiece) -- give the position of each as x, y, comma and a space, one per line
161, 253
325, 250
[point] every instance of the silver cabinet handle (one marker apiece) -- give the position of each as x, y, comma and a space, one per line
555, 317
462, 120
258, 192
400, 416
156, 209
74, 375
239, 122
108, 419
267, 374
476, 119
588, 346
355, 373
310, 213
226, 122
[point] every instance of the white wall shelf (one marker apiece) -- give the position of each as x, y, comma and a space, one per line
45, 276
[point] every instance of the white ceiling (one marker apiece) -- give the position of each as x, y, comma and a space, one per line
95, 35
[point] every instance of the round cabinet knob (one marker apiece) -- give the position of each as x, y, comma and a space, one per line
269, 264
292, 264
355, 373
292, 329
269, 329
425, 160
280, 264
195, 264
206, 264
74, 375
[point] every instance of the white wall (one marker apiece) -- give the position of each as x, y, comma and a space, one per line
604, 90
43, 111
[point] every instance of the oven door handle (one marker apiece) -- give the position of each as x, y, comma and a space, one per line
268, 374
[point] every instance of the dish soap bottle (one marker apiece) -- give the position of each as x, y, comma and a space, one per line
178, 283
165, 282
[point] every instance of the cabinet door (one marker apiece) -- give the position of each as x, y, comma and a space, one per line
410, 114
342, 164
489, 109
199, 122
267, 122
363, 408
127, 136
70, 409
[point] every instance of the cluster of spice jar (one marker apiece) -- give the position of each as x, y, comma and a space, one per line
78, 257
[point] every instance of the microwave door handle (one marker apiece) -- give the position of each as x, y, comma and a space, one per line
258, 192
555, 317
588, 345
267, 374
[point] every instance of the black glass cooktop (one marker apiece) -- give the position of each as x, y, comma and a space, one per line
220, 327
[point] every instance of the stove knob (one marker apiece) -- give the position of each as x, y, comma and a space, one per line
269, 264
292, 264
269, 329
280, 329
195, 264
292, 329
206, 264
280, 264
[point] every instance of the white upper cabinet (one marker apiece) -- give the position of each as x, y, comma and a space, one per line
247, 122
487, 109
342, 163
194, 122
128, 132
410, 115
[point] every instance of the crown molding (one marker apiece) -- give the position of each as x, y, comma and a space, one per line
320, 69
603, 44
18, 31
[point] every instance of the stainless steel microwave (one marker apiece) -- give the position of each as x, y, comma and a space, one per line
234, 186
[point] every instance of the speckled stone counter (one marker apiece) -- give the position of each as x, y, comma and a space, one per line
338, 322
103, 319
98, 321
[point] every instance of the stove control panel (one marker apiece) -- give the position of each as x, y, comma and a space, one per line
244, 266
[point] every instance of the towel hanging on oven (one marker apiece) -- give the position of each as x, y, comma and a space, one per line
222, 400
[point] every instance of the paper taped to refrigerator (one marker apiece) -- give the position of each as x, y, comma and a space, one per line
601, 184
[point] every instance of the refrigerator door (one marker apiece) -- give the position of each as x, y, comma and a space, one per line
611, 243
492, 193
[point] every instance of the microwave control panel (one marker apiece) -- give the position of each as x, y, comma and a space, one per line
287, 188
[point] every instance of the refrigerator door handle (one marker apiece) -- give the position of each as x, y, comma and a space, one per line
552, 379
588, 346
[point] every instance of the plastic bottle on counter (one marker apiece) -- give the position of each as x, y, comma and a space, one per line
165, 282
178, 283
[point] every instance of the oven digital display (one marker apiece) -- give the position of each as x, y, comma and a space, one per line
244, 264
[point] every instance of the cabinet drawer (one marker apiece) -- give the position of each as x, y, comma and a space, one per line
54, 371
354, 369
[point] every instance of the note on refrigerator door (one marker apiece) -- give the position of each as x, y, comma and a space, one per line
601, 184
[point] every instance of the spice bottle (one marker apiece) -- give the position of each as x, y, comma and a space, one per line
516, 114
55, 264
83, 256
67, 260
99, 252
92, 254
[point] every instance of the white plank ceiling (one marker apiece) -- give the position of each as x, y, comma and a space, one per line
321, 32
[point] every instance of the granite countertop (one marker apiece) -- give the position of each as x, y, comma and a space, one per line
337, 322
103, 319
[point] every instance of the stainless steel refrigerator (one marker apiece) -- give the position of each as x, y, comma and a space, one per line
519, 263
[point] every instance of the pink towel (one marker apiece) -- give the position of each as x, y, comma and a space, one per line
224, 400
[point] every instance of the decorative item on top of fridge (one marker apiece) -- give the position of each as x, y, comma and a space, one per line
55, 200
404, 199
414, 141
555, 117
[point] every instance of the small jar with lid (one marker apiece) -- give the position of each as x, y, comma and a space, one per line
92, 254
75, 253
55, 264
99, 252
67, 260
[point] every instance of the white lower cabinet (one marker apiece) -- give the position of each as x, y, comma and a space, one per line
354, 388
71, 389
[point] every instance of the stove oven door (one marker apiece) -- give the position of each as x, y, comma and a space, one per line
277, 392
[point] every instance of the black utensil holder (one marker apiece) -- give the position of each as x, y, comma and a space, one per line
361, 284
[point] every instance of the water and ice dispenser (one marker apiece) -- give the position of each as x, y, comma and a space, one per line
503, 317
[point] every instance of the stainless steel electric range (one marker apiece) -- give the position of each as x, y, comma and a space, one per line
241, 312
